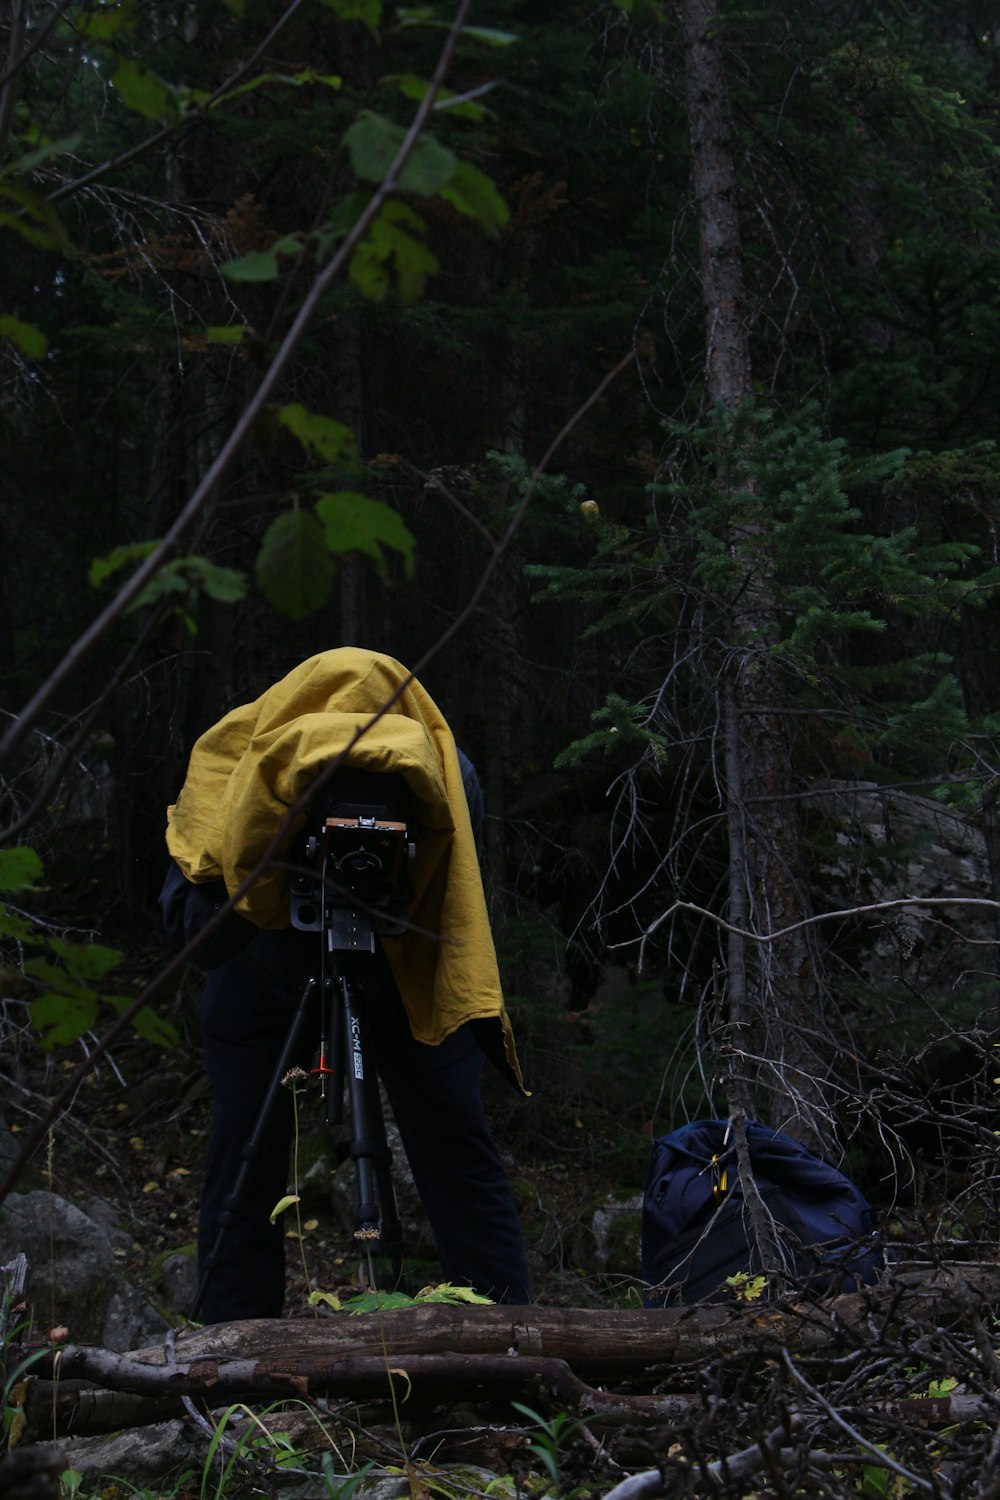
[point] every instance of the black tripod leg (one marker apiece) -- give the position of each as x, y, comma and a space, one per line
252, 1146
369, 1147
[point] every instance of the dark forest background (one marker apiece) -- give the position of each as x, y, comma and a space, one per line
650, 414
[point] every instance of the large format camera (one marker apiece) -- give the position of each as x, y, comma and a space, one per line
356, 849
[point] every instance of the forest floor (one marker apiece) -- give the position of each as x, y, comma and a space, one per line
134, 1136
135, 1132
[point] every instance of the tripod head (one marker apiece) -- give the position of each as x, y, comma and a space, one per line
357, 848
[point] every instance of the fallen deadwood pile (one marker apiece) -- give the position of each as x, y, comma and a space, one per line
439, 1353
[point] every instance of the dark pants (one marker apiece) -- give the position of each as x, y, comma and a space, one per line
435, 1097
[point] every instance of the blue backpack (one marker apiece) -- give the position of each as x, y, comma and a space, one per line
696, 1232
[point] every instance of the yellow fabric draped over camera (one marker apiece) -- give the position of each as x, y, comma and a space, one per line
250, 768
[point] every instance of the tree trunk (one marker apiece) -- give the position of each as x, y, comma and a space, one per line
767, 1049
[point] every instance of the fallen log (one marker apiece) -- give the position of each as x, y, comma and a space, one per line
446, 1353
429, 1377
608, 1344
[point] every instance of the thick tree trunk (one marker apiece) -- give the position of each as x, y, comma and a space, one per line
767, 1050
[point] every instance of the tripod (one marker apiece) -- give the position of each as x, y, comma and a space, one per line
347, 970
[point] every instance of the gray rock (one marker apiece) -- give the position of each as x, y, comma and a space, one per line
73, 1275
886, 845
178, 1279
143, 1456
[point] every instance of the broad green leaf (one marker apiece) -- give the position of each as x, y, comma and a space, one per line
44, 151
289, 80
377, 1301
412, 86
389, 244
283, 1204
146, 1023
227, 585
34, 220
120, 557
14, 926
294, 568
426, 15
322, 437
61, 1019
105, 21
85, 960
228, 333
262, 265
341, 222
144, 92
27, 336
374, 142
452, 1295
19, 868
328, 1299
182, 574
475, 194
368, 11
258, 265
355, 523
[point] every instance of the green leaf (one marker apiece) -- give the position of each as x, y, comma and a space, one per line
323, 437
283, 1204
263, 265
44, 151
368, 11
475, 194
288, 80
425, 15
354, 523
105, 21
228, 333
28, 337
258, 265
20, 868
390, 243
34, 220
181, 575
14, 926
374, 142
412, 86
85, 960
144, 92
453, 1296
61, 1019
226, 585
112, 562
328, 1299
146, 1023
294, 568
377, 1301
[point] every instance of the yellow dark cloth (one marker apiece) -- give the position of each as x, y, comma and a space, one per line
255, 763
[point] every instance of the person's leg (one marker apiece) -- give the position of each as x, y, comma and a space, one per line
463, 1185
245, 1025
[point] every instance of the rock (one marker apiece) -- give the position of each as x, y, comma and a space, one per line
881, 845
32, 1473
73, 1274
616, 1228
177, 1279
143, 1456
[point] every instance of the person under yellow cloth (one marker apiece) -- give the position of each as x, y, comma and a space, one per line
435, 1013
